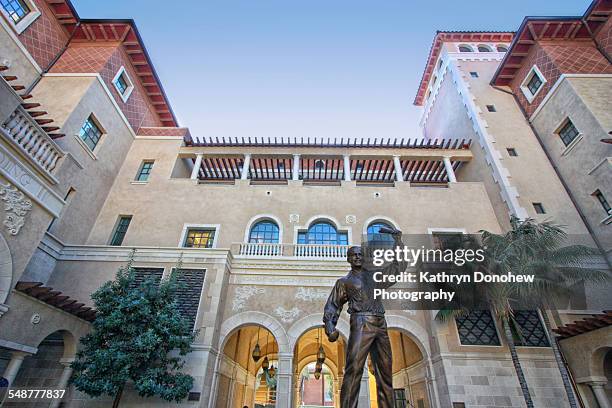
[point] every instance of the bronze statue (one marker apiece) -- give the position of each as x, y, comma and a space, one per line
368, 327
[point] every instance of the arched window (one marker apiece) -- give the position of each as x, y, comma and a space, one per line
465, 48
484, 48
322, 232
375, 237
264, 232
502, 48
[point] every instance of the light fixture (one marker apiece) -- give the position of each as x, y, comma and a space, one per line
272, 371
266, 363
319, 366
321, 352
256, 350
317, 375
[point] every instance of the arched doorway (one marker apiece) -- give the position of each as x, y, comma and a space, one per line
248, 369
49, 368
324, 391
409, 372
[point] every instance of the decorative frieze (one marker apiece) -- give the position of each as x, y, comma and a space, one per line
311, 294
16, 206
287, 316
244, 293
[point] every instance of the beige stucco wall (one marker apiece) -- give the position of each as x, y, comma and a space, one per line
585, 165
91, 177
20, 66
530, 173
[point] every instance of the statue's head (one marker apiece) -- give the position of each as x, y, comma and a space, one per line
354, 256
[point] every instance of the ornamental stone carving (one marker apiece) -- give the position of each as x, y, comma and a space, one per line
16, 206
351, 219
293, 218
311, 294
244, 293
287, 316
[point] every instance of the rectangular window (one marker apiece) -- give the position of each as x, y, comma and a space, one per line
534, 83
145, 170
199, 238
188, 294
568, 132
121, 84
602, 200
539, 208
491, 108
474, 74
141, 275
16, 9
512, 152
477, 329
90, 133
120, 230
449, 240
530, 330
400, 397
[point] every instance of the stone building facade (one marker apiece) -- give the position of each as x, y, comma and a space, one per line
94, 167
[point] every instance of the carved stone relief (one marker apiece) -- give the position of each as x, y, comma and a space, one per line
16, 206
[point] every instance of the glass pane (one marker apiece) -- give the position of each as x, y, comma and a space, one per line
264, 232
16, 9
200, 238
477, 329
90, 133
120, 231
375, 237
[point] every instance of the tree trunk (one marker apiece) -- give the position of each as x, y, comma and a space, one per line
118, 397
517, 363
569, 390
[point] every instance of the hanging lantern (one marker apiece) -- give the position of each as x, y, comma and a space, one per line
272, 371
321, 354
256, 350
317, 375
265, 363
319, 366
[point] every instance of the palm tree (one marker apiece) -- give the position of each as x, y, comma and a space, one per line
529, 248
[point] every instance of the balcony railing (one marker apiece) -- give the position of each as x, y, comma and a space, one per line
302, 251
32, 140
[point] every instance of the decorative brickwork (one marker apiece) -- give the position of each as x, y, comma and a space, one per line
604, 38
107, 60
554, 59
44, 38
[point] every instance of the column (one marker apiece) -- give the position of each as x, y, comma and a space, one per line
347, 168
283, 380
196, 167
600, 394
10, 373
449, 169
63, 381
397, 165
296, 167
337, 385
364, 391
245, 167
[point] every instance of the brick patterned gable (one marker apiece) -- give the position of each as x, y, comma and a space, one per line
44, 38
554, 59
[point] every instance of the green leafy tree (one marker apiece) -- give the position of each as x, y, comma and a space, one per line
138, 336
530, 248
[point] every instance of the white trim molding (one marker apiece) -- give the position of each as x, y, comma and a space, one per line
321, 217
526, 91
378, 218
556, 85
130, 85
264, 217
187, 227
105, 88
25, 21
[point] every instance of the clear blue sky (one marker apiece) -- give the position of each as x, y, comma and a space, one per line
303, 68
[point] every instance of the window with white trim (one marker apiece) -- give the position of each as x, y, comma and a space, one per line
200, 238
123, 84
567, 132
91, 132
19, 13
502, 48
484, 48
533, 83
603, 201
465, 48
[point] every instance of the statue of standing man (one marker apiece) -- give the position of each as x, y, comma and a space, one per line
368, 327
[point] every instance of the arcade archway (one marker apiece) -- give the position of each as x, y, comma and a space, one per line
320, 389
248, 369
